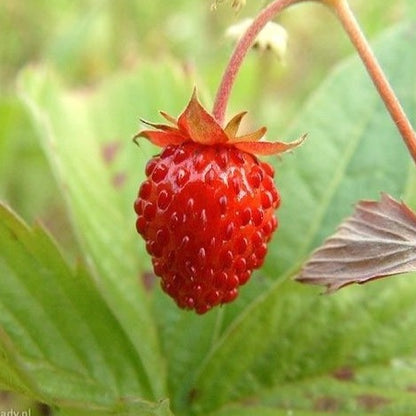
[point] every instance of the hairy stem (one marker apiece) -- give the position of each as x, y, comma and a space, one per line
351, 26
240, 51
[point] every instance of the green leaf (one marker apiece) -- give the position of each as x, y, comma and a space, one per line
387, 388
73, 129
258, 410
353, 152
59, 341
125, 407
95, 208
300, 335
186, 341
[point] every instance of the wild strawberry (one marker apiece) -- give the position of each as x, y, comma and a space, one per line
206, 209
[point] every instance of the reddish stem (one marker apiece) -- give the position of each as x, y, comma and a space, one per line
240, 51
351, 26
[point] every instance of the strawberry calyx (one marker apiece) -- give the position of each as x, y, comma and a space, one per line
196, 124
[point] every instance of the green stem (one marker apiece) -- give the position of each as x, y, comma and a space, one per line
352, 27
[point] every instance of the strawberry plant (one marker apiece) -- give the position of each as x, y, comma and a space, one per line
206, 210
87, 323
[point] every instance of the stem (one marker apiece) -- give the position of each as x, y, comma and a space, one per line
240, 51
351, 26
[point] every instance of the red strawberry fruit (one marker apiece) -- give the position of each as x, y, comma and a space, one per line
206, 209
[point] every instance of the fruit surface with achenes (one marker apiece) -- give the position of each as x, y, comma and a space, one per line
206, 208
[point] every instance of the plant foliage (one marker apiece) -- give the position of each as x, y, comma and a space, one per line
92, 336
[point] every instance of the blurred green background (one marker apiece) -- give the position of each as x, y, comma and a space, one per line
89, 41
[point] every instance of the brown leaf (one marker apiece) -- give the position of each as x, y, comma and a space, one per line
378, 240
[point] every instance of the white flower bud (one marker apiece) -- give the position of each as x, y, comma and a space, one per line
272, 37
